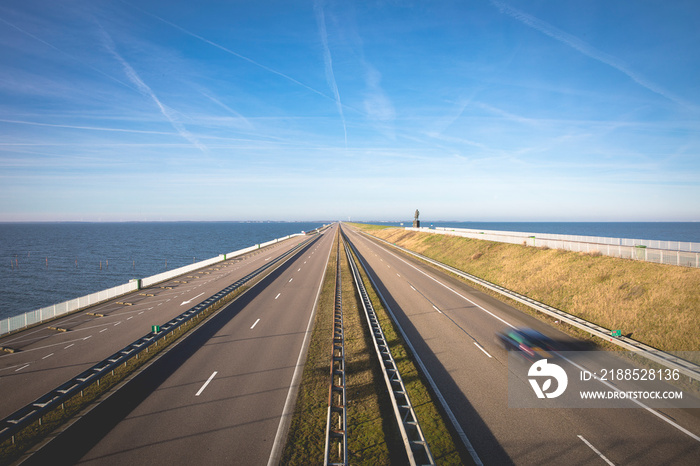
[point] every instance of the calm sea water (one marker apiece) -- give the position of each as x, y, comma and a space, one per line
665, 231
48, 263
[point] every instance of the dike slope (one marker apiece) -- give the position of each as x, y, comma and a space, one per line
652, 303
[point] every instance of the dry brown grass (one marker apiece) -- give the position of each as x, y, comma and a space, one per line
657, 304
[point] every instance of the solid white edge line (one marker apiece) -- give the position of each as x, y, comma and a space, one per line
206, 383
453, 419
482, 349
286, 418
595, 450
452, 290
256, 323
642, 405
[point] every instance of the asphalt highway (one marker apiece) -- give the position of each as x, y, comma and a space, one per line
224, 395
452, 326
46, 358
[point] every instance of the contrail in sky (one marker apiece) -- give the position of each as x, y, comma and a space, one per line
226, 107
91, 128
221, 47
65, 53
145, 89
586, 49
330, 77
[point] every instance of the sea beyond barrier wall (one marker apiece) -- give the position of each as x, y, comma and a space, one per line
47, 313
660, 252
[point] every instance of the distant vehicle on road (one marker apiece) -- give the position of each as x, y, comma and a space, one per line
530, 343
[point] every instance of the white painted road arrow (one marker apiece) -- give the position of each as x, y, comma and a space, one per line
187, 302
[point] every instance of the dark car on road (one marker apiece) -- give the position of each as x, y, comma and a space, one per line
531, 343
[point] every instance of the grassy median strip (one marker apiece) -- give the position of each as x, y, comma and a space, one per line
435, 428
373, 435
306, 438
652, 303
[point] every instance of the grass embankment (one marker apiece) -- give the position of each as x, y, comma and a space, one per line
373, 436
652, 303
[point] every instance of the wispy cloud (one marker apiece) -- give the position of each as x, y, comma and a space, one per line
590, 51
506, 115
229, 51
134, 77
62, 52
328, 62
240, 118
90, 128
377, 103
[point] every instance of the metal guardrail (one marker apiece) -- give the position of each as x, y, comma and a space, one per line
651, 353
417, 448
21, 418
336, 424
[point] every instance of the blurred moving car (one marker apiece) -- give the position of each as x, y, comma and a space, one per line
531, 343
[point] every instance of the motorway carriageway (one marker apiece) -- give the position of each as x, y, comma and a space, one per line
46, 358
452, 327
223, 395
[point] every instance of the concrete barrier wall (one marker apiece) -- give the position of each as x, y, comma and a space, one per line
622, 250
47, 313
161, 277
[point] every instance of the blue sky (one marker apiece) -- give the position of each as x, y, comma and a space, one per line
278, 110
